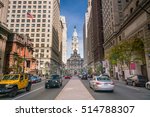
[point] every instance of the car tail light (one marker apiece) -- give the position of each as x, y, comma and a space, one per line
98, 83
112, 83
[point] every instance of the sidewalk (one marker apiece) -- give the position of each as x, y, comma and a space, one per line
74, 90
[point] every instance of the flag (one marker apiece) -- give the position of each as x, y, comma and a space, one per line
29, 15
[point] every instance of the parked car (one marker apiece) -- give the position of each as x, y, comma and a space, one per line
136, 80
147, 85
80, 75
84, 77
35, 79
102, 83
53, 81
67, 77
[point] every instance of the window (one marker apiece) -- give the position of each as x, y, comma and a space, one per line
13, 11
14, 2
29, 2
44, 2
37, 45
38, 20
43, 30
137, 3
42, 50
36, 50
37, 35
37, 40
131, 10
12, 20
43, 35
32, 35
39, 16
34, 2
12, 25
17, 25
27, 30
38, 25
43, 40
23, 20
44, 20
18, 11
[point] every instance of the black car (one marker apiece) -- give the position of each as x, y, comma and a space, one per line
136, 80
53, 81
84, 77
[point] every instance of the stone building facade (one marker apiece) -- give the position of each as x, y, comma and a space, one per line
4, 32
135, 24
19, 55
75, 62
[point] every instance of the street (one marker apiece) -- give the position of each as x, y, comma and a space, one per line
121, 92
38, 92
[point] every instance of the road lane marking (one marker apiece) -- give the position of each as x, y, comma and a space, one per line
27, 93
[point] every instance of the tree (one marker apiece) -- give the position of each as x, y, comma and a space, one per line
16, 67
124, 52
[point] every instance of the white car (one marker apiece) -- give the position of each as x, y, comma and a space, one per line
101, 83
147, 85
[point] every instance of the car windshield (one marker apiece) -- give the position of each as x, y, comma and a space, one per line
10, 77
33, 77
54, 77
103, 78
141, 77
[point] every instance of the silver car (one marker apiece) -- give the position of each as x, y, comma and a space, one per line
102, 83
147, 85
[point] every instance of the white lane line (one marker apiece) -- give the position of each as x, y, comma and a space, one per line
27, 93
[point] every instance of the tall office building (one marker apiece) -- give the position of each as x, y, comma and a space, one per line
40, 20
112, 19
98, 39
64, 39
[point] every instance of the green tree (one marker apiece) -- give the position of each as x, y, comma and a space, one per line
124, 51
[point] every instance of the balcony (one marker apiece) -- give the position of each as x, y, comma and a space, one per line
1, 4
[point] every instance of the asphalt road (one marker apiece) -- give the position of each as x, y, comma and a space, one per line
38, 92
121, 92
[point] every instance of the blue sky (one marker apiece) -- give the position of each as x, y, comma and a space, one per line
74, 11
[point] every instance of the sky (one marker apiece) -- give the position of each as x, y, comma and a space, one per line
74, 11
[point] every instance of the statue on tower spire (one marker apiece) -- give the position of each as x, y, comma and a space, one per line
75, 42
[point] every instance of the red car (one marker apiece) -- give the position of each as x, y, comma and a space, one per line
67, 77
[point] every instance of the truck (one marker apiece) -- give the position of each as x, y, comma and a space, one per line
10, 84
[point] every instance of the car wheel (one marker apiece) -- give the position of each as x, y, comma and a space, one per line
13, 93
28, 88
46, 87
134, 84
148, 86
